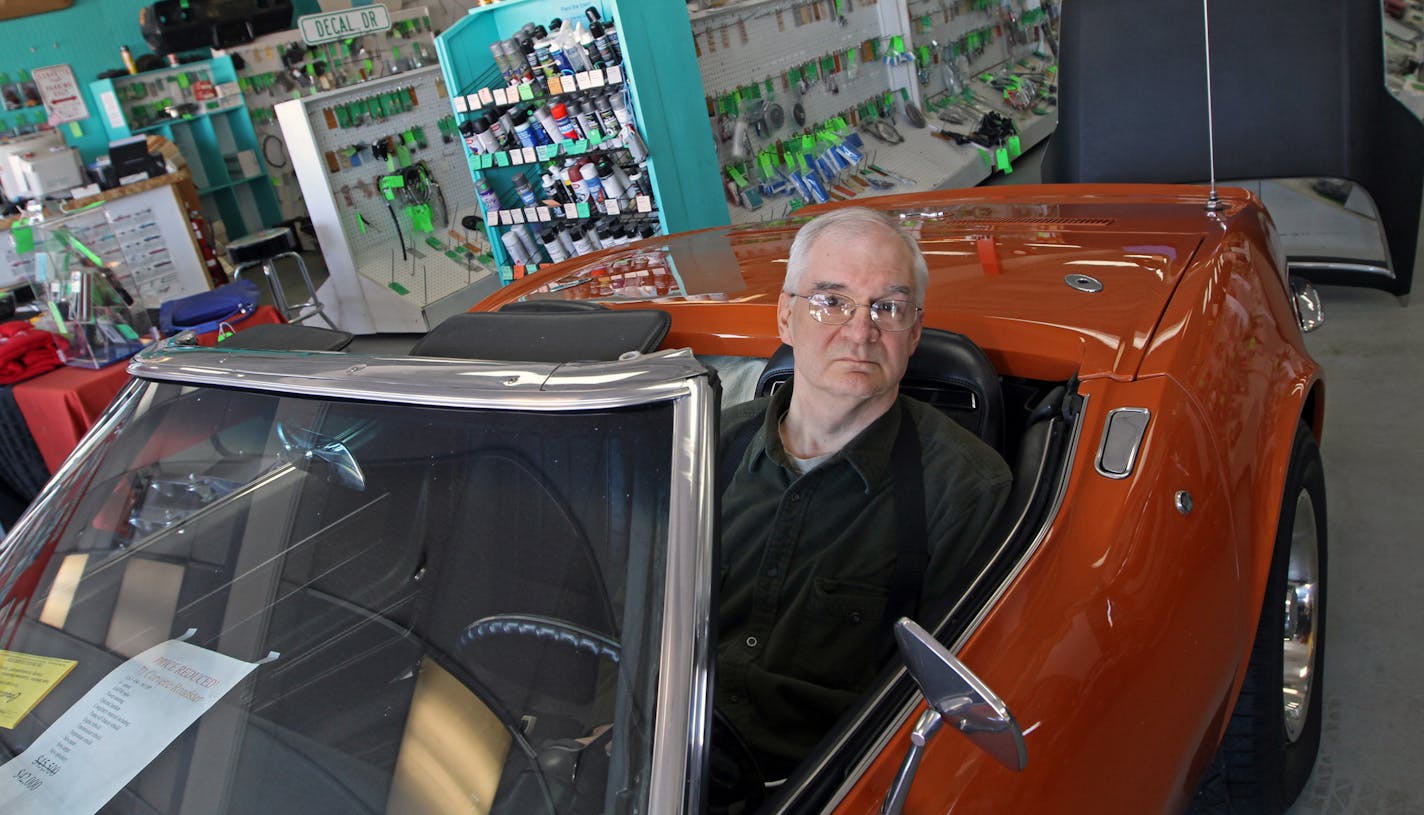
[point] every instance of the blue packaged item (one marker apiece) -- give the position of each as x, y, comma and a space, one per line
207, 311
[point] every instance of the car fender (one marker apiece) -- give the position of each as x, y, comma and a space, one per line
1113, 644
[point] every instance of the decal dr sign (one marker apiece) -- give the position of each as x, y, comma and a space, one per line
340, 25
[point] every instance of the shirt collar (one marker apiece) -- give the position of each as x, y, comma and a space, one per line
868, 453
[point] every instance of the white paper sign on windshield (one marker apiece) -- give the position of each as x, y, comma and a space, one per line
117, 728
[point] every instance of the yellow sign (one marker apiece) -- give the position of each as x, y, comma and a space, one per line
25, 679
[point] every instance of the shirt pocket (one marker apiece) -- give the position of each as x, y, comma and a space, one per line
847, 638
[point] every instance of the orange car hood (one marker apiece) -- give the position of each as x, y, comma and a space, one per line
999, 260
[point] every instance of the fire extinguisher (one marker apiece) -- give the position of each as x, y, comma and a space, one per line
203, 236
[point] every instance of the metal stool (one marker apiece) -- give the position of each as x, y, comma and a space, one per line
263, 250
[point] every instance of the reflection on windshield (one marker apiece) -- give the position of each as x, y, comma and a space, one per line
466, 603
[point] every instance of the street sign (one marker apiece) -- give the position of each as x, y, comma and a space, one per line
340, 25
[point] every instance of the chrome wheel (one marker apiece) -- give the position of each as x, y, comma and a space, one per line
1301, 594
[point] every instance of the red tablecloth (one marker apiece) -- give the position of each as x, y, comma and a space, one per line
61, 406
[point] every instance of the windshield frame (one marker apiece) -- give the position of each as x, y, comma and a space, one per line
683, 701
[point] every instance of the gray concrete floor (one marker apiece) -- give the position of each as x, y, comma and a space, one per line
1372, 750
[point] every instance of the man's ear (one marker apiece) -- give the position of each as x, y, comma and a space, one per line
783, 319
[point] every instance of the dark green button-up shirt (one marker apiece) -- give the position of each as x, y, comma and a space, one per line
807, 562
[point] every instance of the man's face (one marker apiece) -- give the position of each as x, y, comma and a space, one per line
857, 361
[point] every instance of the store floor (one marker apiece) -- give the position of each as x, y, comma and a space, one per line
1373, 443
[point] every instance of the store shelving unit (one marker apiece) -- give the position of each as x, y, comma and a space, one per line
199, 108
658, 76
279, 66
391, 270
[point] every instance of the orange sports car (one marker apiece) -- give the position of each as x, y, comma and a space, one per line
278, 577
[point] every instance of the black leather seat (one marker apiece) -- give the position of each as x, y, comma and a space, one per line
947, 370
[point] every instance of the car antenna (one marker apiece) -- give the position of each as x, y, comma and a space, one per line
1213, 201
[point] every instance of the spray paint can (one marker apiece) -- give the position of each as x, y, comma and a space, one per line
612, 187
546, 121
521, 128
580, 240
607, 120
591, 183
525, 191
600, 42
576, 182
553, 246
487, 196
514, 248
586, 121
563, 122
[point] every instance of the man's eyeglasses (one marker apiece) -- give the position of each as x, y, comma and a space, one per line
833, 309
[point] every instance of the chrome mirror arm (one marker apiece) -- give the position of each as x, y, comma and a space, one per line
929, 723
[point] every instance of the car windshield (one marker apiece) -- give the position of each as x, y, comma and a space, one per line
252, 602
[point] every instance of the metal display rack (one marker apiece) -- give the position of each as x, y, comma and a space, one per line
354, 149
852, 67
279, 66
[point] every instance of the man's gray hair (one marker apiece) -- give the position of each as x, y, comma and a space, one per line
852, 220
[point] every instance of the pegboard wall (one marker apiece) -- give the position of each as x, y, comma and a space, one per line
278, 67
975, 36
374, 130
832, 59
836, 70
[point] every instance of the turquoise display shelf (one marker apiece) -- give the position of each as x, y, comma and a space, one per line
660, 68
214, 134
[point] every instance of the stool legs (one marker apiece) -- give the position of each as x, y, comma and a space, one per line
292, 313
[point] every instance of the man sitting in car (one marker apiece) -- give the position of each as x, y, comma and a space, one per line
823, 546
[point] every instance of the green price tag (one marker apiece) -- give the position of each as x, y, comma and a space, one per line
370, 66
526, 92
595, 136
75, 130
764, 159
398, 288
1001, 157
24, 239
897, 44
1014, 149
501, 158
578, 146
737, 176
988, 158
403, 153
801, 161
583, 209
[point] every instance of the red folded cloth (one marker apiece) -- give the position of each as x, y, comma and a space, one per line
26, 351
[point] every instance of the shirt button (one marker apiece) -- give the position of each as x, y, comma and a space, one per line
734, 698
751, 642
855, 616
795, 496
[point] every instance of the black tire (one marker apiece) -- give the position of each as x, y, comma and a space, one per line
1268, 754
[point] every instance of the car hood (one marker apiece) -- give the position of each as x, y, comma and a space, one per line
1003, 262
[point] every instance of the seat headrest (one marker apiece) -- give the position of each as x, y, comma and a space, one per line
947, 371
546, 336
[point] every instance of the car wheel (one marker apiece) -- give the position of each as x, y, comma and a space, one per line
1274, 733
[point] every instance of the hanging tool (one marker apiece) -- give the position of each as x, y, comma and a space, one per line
389, 184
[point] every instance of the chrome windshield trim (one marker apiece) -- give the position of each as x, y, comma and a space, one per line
681, 731
427, 381
860, 768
